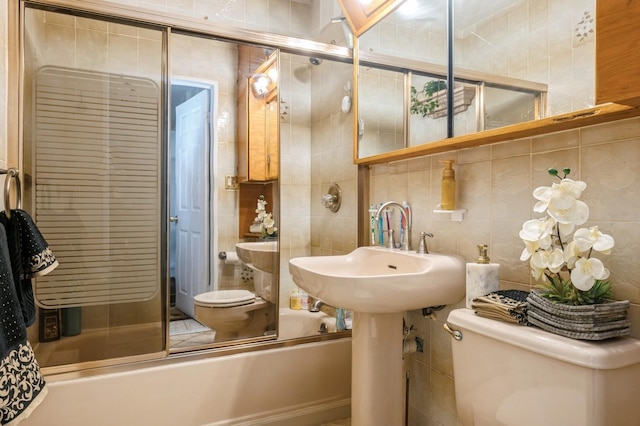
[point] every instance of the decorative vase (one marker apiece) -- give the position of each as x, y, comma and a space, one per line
584, 322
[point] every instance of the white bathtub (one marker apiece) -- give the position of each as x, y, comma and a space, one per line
303, 323
289, 386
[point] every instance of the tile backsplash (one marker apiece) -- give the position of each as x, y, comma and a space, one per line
495, 185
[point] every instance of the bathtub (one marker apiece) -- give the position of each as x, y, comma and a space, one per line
285, 386
303, 323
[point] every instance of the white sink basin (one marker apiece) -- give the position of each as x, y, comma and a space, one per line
261, 255
380, 280
379, 284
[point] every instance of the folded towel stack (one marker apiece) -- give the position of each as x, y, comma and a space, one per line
505, 305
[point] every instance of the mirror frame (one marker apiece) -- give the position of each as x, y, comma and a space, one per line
601, 113
596, 115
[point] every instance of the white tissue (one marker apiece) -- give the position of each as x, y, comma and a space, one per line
410, 346
232, 258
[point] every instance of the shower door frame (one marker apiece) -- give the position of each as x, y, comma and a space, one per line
166, 23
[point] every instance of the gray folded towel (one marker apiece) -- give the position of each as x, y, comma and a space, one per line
504, 305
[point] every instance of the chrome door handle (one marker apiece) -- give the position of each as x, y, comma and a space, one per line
173, 219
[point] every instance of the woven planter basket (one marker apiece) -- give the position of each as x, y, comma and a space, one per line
584, 322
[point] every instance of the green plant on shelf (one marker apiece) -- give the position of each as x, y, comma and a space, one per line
424, 102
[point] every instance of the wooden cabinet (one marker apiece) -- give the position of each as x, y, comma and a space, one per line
258, 119
248, 200
617, 49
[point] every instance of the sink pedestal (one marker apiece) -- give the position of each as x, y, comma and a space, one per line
376, 370
379, 284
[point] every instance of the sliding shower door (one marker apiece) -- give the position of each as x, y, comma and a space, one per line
93, 162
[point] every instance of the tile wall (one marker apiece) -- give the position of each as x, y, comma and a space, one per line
495, 185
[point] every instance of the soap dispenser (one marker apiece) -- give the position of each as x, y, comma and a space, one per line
448, 195
483, 277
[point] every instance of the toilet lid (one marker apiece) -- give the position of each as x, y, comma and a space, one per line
225, 298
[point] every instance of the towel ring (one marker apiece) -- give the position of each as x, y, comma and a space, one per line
12, 175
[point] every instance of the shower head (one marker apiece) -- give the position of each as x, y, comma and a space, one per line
315, 61
348, 34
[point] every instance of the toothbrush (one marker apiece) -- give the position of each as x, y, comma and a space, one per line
372, 212
380, 227
401, 228
386, 213
403, 223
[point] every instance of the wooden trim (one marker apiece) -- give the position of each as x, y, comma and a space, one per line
616, 47
596, 115
362, 17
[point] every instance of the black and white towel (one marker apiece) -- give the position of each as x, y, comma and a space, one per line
30, 257
23, 254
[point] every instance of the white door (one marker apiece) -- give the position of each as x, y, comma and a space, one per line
192, 207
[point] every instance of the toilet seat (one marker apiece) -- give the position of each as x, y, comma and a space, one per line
225, 298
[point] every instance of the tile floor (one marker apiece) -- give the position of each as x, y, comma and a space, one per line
189, 332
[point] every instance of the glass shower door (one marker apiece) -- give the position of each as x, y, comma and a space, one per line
93, 159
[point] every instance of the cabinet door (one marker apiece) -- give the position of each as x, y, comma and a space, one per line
273, 133
617, 47
257, 142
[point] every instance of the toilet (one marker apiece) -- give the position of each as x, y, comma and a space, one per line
235, 314
514, 375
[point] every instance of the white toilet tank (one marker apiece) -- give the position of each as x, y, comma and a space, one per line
519, 376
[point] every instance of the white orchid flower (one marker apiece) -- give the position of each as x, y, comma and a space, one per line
549, 244
268, 224
572, 253
536, 234
577, 213
553, 260
593, 238
586, 272
268, 221
559, 196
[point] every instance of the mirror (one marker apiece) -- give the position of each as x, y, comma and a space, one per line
187, 230
224, 273
514, 64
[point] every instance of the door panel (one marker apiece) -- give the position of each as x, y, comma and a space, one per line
192, 189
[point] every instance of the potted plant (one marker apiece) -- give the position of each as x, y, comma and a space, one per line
263, 222
574, 297
424, 102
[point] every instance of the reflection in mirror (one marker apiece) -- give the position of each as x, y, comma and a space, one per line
222, 293
427, 109
316, 145
380, 110
503, 107
527, 59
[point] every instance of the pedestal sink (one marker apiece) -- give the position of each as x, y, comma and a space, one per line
379, 284
262, 255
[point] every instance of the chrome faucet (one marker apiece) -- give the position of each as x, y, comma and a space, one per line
406, 238
315, 307
422, 248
